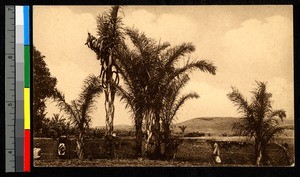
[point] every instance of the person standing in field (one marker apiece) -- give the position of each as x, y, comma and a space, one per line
37, 152
61, 148
216, 153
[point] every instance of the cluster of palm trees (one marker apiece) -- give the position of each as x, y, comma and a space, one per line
149, 76
151, 79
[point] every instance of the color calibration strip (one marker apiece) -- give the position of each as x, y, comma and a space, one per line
22, 123
27, 148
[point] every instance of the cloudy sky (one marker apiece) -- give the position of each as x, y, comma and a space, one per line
246, 43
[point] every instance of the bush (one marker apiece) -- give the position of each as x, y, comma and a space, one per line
96, 133
125, 133
224, 134
171, 147
55, 127
195, 134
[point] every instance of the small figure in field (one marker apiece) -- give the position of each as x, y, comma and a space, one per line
37, 152
216, 153
61, 148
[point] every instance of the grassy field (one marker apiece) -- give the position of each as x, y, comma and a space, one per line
192, 152
123, 163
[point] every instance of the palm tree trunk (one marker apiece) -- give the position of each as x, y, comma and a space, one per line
166, 137
256, 147
157, 145
149, 131
110, 109
258, 152
139, 133
80, 146
109, 98
265, 158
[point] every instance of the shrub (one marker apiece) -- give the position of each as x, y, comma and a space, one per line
96, 133
224, 134
172, 147
195, 134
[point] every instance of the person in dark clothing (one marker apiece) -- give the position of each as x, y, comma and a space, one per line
62, 147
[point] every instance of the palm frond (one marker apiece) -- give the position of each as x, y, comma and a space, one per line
76, 108
279, 113
129, 99
63, 105
91, 89
182, 100
202, 65
146, 46
162, 47
238, 99
271, 131
171, 94
173, 54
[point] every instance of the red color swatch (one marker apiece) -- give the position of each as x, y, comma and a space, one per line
27, 151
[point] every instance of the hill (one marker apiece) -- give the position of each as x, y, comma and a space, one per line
217, 126
213, 125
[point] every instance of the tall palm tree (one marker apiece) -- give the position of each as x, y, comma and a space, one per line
171, 104
149, 72
260, 120
166, 76
136, 68
79, 110
110, 37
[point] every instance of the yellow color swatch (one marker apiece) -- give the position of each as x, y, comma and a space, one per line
26, 108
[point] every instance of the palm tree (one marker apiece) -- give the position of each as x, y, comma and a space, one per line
182, 128
135, 68
166, 78
149, 72
172, 102
260, 120
79, 110
110, 37
59, 125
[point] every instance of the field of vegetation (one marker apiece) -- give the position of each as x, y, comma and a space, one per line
191, 152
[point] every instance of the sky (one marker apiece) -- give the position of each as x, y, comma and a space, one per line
245, 43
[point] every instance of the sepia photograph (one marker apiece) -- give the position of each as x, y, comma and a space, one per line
163, 86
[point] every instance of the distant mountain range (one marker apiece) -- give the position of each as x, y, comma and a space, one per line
216, 126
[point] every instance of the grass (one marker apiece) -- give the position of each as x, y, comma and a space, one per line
123, 163
192, 152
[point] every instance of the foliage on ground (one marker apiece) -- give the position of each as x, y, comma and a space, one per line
192, 152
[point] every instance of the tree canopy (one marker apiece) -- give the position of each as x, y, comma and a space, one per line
43, 87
